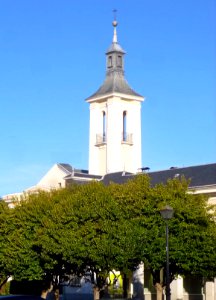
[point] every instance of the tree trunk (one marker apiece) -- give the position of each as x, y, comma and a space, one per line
125, 286
159, 291
3, 284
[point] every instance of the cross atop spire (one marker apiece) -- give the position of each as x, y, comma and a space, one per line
114, 14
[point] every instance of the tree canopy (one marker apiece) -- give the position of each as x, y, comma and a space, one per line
107, 227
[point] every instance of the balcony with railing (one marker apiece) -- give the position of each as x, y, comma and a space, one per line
100, 140
127, 138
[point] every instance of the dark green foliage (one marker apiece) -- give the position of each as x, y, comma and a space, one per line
114, 227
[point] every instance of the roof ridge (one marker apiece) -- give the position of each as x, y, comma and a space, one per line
180, 168
63, 166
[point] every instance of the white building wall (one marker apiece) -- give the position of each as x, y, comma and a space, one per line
53, 179
114, 132
102, 160
209, 290
114, 155
97, 154
134, 126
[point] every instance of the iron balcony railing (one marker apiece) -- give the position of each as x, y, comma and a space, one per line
100, 139
127, 138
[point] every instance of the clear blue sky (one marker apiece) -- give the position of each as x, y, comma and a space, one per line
52, 57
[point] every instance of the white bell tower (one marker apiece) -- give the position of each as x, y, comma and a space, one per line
115, 119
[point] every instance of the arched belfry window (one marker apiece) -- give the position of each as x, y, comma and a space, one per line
104, 126
124, 137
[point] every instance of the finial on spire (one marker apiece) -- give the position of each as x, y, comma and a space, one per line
114, 23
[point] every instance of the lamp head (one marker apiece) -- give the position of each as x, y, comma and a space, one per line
167, 212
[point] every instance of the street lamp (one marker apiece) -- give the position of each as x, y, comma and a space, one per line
167, 214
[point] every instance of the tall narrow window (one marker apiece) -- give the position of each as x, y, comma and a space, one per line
104, 126
124, 126
110, 61
119, 61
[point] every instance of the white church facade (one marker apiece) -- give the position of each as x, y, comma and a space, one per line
115, 154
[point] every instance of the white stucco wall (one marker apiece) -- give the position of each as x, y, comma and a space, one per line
54, 178
114, 155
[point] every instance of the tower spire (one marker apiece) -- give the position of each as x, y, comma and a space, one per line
115, 23
115, 81
115, 118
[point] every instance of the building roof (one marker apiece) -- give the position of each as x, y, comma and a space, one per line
114, 83
198, 175
65, 167
117, 177
202, 175
82, 175
115, 47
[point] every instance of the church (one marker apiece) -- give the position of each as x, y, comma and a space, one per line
115, 155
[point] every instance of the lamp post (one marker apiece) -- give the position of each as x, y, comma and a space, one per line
167, 214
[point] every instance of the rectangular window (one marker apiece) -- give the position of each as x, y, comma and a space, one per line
104, 126
109, 61
124, 126
119, 61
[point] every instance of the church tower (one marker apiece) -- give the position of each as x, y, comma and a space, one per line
115, 119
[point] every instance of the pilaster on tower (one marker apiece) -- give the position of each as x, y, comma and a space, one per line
115, 119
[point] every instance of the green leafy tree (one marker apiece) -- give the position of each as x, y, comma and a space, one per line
106, 228
192, 230
89, 229
4, 228
21, 233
